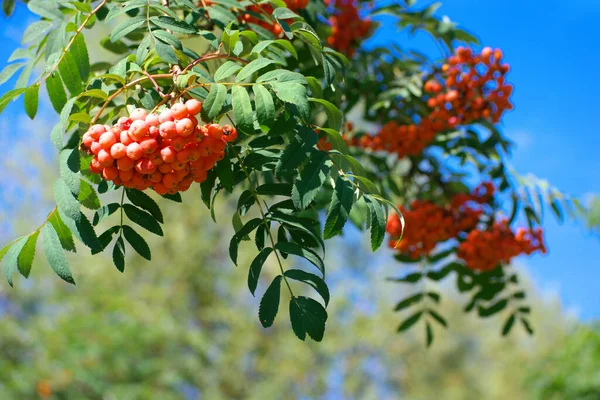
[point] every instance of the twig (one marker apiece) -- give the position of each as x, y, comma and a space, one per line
161, 94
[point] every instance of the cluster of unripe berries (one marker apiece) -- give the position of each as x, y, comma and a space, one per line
484, 250
347, 27
428, 223
166, 152
472, 87
251, 16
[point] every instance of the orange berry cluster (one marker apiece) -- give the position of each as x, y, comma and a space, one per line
429, 223
166, 151
275, 28
473, 88
347, 28
484, 250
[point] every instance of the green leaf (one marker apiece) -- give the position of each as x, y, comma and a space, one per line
8, 6
95, 93
269, 305
409, 301
69, 169
224, 173
293, 93
67, 204
64, 233
508, 325
55, 254
239, 235
36, 31
11, 257
9, 71
275, 189
146, 202
310, 279
310, 180
242, 109
137, 242
70, 74
87, 196
81, 56
45, 9
334, 115
126, 27
493, 309
308, 317
256, 267
526, 325
31, 100
27, 254
118, 254
143, 219
441, 320
56, 92
214, 102
167, 38
265, 108
307, 254
176, 26
173, 197
166, 53
226, 70
8, 96
253, 67
340, 207
378, 222
428, 334
104, 212
284, 13
282, 76
410, 321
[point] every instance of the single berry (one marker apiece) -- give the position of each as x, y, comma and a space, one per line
105, 158
193, 106
215, 131
185, 127
110, 173
134, 151
165, 116
168, 130
179, 111
118, 150
138, 114
107, 139
125, 164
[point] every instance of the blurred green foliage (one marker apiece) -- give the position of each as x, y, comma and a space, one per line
183, 327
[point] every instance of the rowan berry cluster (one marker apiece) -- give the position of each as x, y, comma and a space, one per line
484, 250
430, 224
347, 27
473, 87
251, 16
166, 152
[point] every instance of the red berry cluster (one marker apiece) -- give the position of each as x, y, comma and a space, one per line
484, 250
429, 223
473, 88
166, 151
250, 17
347, 28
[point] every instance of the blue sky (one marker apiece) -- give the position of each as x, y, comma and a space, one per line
552, 52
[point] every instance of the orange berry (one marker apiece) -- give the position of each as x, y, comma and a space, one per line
193, 106
179, 111
215, 131
134, 151
110, 173
105, 158
125, 164
118, 150
138, 114
185, 127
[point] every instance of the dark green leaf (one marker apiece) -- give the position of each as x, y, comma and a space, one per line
214, 102
126, 27
64, 233
493, 309
256, 267
143, 219
340, 207
242, 109
137, 242
508, 325
70, 74
226, 70
177, 26
435, 315
11, 257
238, 237
87, 196
253, 67
308, 317
409, 301
104, 212
269, 305
378, 222
310, 279
293, 93
310, 180
307, 254
27, 254
118, 254
146, 202
56, 92
410, 321
265, 108
275, 189
81, 56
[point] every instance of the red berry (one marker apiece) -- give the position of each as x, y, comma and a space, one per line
165, 168
169, 180
152, 120
87, 140
168, 154
138, 114
125, 164
185, 127
145, 166
165, 116
168, 130
124, 123
193, 106
107, 139
230, 133
138, 130
134, 151
95, 166
110, 173
215, 131
149, 146
125, 176
118, 150
179, 111
125, 139
96, 130
105, 158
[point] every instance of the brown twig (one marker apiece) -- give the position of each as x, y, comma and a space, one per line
212, 56
160, 93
